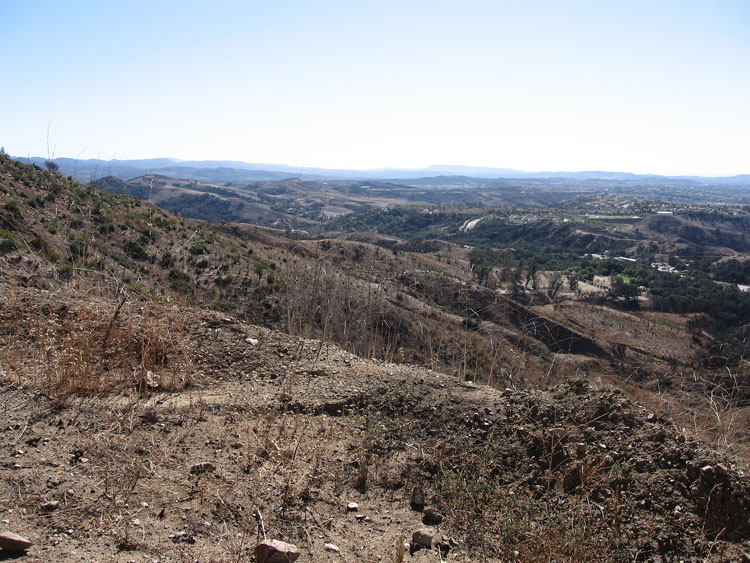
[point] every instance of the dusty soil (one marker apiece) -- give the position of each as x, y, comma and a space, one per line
290, 431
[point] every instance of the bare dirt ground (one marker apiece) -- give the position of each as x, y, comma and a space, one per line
251, 431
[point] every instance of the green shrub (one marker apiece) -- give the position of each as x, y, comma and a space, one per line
7, 243
198, 248
179, 280
65, 270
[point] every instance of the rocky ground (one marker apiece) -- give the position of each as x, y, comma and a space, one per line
198, 435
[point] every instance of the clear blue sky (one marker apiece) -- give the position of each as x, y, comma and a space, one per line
641, 86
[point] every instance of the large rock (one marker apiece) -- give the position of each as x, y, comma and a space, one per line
13, 543
275, 551
422, 538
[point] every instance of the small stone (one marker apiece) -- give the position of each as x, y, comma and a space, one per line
182, 537
651, 417
417, 498
432, 516
136, 522
252, 341
275, 551
202, 467
352, 506
580, 448
153, 380
707, 470
51, 505
360, 517
422, 538
332, 547
13, 543
721, 470
443, 546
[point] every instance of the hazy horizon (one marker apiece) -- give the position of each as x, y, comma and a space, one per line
638, 87
447, 169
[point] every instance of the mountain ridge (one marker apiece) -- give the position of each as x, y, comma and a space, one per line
89, 169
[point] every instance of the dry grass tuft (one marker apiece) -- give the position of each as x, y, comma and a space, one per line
87, 345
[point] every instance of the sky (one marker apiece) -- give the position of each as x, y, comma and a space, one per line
653, 86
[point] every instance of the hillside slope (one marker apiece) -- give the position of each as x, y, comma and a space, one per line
251, 432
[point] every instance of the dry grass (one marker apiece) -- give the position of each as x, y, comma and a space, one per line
88, 345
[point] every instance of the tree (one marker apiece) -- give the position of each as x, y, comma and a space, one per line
532, 274
514, 277
573, 281
51, 165
555, 284
625, 289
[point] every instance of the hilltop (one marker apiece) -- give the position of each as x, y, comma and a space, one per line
180, 389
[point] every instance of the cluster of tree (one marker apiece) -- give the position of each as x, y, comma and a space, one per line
726, 304
731, 271
694, 293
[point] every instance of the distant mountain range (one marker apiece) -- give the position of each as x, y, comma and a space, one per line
223, 171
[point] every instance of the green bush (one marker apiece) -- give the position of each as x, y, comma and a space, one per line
65, 270
179, 280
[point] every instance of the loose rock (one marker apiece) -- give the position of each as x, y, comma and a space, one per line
13, 543
332, 547
275, 551
422, 538
432, 516
153, 380
51, 505
417, 499
203, 467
